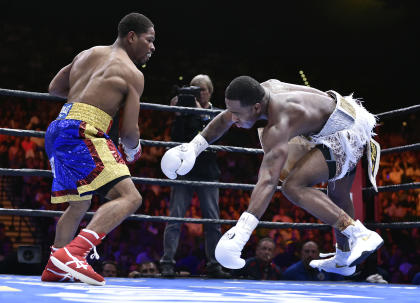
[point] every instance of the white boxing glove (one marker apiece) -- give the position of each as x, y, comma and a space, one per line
180, 160
229, 248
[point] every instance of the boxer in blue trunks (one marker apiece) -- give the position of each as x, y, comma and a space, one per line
98, 83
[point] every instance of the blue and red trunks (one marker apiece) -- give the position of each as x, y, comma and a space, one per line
82, 156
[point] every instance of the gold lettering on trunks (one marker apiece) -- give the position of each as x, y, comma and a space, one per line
373, 154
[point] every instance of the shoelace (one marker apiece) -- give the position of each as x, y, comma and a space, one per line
95, 253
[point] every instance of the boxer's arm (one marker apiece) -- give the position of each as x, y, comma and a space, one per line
129, 132
217, 127
276, 149
228, 249
60, 84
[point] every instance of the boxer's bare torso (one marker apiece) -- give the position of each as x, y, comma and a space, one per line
103, 76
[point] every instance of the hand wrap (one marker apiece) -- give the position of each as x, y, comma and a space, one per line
130, 155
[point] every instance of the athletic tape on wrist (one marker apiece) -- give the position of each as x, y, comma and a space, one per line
199, 144
247, 221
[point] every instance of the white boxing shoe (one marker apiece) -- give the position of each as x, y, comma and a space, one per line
336, 264
363, 242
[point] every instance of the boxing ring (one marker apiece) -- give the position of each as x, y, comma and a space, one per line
24, 288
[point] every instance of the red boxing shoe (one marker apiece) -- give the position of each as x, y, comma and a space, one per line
72, 257
52, 273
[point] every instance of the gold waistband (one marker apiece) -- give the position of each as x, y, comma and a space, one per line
342, 103
90, 114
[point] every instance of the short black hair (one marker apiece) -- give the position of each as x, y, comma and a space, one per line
109, 262
266, 239
245, 89
135, 22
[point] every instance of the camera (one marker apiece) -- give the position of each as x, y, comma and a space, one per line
187, 95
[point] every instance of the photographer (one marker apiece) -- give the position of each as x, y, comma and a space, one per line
186, 127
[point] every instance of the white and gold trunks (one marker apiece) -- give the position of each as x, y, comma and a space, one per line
346, 133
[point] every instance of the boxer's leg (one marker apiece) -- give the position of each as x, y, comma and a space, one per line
69, 222
312, 169
339, 193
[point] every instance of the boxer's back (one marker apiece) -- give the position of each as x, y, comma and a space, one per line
100, 76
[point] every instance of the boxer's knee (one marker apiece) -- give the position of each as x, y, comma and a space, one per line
79, 206
292, 190
127, 193
135, 200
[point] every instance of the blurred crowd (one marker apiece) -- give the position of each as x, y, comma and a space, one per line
135, 247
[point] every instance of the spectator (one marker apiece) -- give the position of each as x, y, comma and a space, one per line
148, 269
287, 254
147, 253
370, 272
188, 260
206, 168
14, 149
29, 147
134, 271
301, 271
261, 266
109, 269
